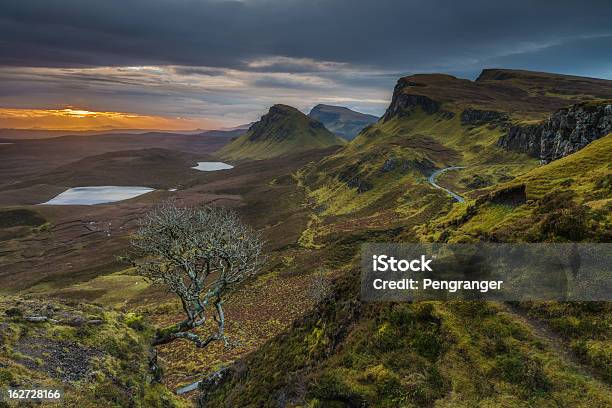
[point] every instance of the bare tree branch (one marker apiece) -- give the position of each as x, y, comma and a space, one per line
199, 255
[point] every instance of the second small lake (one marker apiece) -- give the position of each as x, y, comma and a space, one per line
212, 166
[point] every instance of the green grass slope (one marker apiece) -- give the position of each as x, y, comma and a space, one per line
391, 160
448, 354
281, 131
426, 354
569, 199
347, 353
100, 358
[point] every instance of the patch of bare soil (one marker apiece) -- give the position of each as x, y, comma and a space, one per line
61, 360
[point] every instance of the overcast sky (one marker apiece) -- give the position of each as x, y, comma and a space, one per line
224, 62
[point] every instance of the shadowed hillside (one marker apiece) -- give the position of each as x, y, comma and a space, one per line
281, 131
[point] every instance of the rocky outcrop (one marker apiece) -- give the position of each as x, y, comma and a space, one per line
283, 130
478, 117
423, 166
512, 195
565, 132
276, 114
403, 103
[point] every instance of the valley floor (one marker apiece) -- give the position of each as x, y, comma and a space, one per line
296, 346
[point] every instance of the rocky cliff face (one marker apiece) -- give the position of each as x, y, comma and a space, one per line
403, 103
565, 132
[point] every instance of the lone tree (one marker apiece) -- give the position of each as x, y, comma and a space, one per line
199, 255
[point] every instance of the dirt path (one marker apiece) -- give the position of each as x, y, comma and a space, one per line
553, 341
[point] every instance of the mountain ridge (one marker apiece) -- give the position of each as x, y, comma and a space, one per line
282, 130
352, 353
523, 95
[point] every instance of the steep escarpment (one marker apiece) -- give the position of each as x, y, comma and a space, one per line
282, 130
404, 101
435, 121
432, 122
520, 95
565, 132
541, 85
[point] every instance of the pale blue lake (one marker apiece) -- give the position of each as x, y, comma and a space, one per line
97, 195
212, 166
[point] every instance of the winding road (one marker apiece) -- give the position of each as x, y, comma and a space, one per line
434, 176
432, 180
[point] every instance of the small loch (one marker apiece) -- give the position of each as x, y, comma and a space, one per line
212, 166
97, 195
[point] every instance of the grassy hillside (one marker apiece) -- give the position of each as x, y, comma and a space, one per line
99, 358
392, 159
347, 353
283, 130
461, 354
566, 200
467, 354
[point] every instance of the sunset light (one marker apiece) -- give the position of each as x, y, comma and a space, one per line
73, 118
280, 204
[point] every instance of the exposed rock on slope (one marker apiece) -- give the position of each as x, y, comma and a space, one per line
404, 102
282, 130
482, 117
342, 121
99, 357
519, 94
565, 132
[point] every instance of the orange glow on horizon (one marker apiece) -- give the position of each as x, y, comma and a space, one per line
71, 118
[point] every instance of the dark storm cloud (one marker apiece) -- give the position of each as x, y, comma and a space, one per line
230, 60
405, 35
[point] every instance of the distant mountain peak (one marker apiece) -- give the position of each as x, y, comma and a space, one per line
282, 130
280, 108
341, 120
